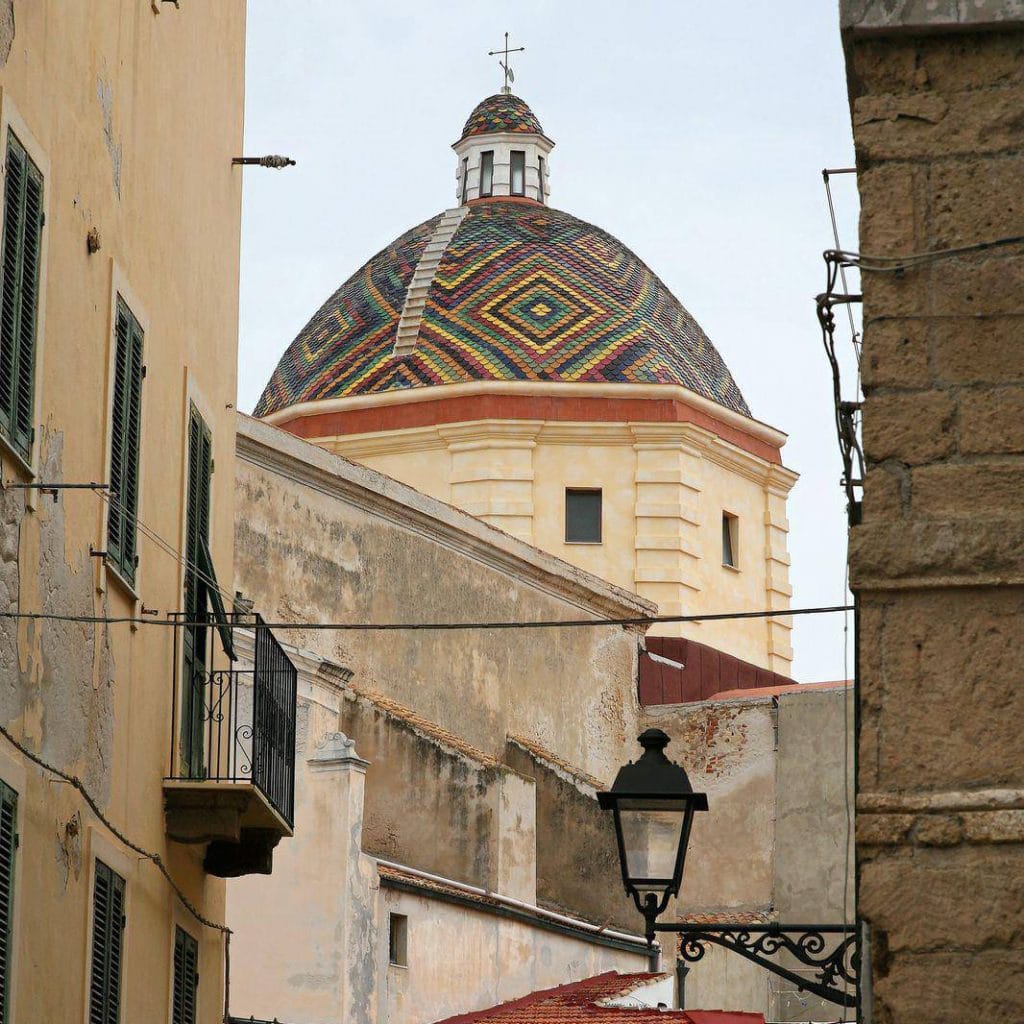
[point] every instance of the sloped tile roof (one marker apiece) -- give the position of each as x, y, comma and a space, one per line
581, 1003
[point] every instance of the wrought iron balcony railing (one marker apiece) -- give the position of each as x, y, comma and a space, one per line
235, 721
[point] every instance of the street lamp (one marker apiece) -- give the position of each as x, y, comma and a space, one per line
653, 804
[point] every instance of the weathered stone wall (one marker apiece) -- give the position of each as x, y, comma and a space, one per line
320, 539
581, 876
775, 841
938, 563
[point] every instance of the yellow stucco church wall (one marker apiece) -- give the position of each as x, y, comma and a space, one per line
665, 487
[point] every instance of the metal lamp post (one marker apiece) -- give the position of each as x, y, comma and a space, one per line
653, 804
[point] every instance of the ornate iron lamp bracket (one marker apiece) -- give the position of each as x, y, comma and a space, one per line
833, 967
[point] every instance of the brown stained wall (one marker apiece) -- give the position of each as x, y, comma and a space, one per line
728, 750
580, 872
419, 795
320, 539
938, 564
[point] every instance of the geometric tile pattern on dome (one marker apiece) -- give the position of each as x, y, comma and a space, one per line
522, 292
353, 329
501, 113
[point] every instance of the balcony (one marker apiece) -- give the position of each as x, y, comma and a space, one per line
231, 778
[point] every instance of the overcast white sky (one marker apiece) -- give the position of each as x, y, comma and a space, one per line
695, 132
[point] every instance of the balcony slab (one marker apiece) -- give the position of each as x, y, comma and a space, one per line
211, 811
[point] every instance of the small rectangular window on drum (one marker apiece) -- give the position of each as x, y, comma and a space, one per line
487, 172
518, 172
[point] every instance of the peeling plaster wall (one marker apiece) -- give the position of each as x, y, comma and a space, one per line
775, 839
61, 685
7, 29
420, 796
318, 538
728, 749
96, 95
581, 875
328, 912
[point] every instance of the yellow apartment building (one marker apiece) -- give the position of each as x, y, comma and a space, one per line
135, 769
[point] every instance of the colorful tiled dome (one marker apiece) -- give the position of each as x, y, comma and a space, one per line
502, 112
522, 292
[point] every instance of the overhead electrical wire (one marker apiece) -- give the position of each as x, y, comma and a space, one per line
154, 858
167, 548
639, 620
894, 264
850, 424
855, 337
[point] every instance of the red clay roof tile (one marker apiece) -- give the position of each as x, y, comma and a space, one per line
581, 1003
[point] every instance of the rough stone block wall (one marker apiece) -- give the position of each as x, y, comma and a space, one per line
937, 100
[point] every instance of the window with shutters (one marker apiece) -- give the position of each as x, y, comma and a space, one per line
125, 432
19, 295
186, 978
8, 848
108, 923
197, 532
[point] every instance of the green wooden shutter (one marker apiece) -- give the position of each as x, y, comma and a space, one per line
19, 294
220, 617
200, 465
8, 848
107, 932
133, 439
186, 978
14, 187
125, 433
197, 529
115, 519
31, 254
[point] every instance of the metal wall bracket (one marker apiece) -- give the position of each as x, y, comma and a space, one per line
835, 969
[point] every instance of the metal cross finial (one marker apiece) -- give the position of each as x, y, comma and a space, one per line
505, 51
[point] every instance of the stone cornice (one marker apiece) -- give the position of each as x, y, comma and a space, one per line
526, 433
544, 389
306, 464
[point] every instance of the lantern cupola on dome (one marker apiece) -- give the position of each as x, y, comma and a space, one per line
503, 152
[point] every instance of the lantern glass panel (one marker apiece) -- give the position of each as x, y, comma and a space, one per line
652, 831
